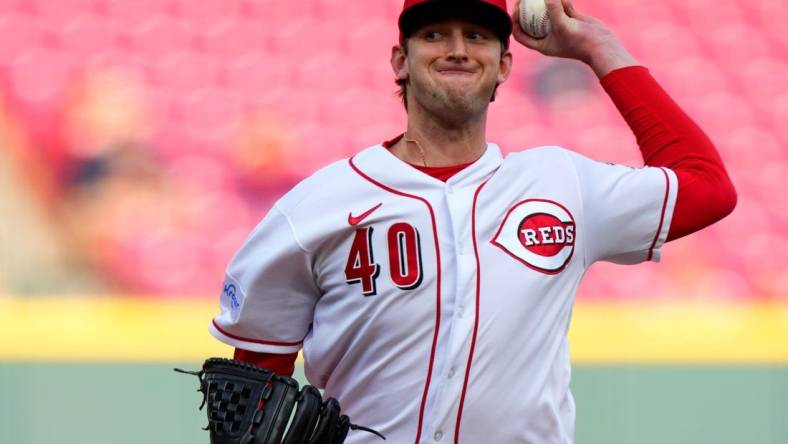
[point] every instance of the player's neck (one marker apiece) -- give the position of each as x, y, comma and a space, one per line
430, 142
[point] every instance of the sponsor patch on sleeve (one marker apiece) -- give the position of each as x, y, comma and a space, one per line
232, 297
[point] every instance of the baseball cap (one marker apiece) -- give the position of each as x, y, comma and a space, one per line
489, 13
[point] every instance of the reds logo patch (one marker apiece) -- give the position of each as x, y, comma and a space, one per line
539, 233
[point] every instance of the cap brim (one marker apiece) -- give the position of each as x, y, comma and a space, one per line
479, 12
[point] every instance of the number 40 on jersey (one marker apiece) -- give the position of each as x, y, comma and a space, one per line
404, 255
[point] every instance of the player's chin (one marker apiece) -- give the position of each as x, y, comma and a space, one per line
473, 95
465, 103
463, 85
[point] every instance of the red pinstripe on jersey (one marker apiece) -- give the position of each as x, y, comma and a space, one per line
438, 284
662, 216
476, 320
255, 341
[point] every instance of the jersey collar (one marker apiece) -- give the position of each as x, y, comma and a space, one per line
378, 163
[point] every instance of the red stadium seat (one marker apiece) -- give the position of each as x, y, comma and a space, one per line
526, 135
256, 74
184, 72
778, 116
329, 71
706, 17
608, 143
370, 41
319, 144
355, 13
40, 77
274, 12
770, 20
119, 59
212, 115
292, 104
629, 20
228, 37
737, 43
750, 147
511, 109
370, 135
305, 37
131, 14
85, 35
16, 28
719, 113
659, 42
379, 75
688, 78
201, 13
62, 9
359, 107
159, 36
763, 79
575, 111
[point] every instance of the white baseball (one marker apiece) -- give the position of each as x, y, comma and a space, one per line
533, 18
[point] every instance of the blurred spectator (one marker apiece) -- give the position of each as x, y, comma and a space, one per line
108, 113
148, 138
33, 260
265, 156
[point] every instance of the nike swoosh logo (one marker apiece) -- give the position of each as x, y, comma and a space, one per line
355, 220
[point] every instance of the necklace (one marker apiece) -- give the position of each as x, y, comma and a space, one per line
421, 149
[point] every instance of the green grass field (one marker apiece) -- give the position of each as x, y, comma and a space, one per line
43, 403
99, 370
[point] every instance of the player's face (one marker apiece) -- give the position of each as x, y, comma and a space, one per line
452, 67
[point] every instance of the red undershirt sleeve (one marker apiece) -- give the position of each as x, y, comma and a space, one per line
668, 137
280, 364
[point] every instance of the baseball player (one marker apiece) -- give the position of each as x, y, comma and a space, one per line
429, 280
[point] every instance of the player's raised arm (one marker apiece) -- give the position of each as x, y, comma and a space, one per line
666, 135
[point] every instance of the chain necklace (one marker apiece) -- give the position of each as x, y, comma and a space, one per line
421, 149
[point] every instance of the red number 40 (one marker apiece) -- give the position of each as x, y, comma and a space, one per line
404, 259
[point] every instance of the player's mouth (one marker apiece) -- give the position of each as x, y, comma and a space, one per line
456, 72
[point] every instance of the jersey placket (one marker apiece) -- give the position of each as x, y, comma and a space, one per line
460, 315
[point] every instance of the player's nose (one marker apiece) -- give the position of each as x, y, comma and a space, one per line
457, 46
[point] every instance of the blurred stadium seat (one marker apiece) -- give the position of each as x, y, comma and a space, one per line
86, 35
15, 28
157, 36
246, 96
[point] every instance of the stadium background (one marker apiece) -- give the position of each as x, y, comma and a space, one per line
141, 140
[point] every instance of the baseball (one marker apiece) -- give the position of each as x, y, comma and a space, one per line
533, 18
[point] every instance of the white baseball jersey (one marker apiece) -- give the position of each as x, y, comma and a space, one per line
438, 312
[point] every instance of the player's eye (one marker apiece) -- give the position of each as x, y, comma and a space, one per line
476, 36
432, 35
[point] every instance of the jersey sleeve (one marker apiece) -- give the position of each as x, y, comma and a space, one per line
626, 211
269, 293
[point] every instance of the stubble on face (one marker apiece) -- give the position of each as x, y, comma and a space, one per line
456, 100
453, 98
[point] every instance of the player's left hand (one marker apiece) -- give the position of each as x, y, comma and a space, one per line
578, 36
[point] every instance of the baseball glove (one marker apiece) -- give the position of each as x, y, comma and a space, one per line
247, 404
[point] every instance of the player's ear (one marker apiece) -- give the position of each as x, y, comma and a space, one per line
505, 66
399, 62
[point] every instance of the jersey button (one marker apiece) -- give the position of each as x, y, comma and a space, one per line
438, 436
451, 373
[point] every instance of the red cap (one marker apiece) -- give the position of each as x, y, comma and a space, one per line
490, 13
